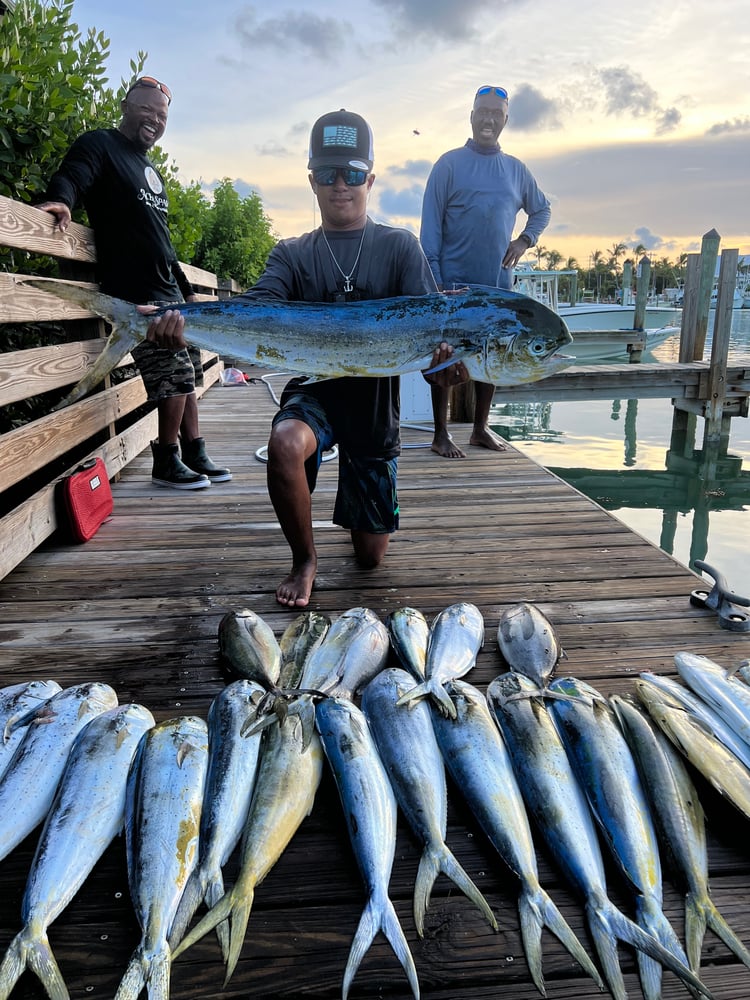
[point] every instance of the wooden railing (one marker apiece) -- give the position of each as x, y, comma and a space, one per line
114, 422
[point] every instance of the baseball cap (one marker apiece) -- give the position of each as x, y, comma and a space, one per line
341, 139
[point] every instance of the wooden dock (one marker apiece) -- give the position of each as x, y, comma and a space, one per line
138, 607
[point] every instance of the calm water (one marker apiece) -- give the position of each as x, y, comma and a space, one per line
616, 452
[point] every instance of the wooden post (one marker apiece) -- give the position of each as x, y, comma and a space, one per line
642, 280
688, 328
627, 282
574, 288
717, 376
709, 253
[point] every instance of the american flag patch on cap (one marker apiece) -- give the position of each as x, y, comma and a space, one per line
339, 135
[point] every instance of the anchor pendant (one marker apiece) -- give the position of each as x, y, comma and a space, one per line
348, 286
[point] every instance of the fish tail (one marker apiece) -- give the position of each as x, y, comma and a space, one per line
532, 922
607, 921
436, 859
427, 873
128, 329
214, 893
215, 915
442, 701
649, 916
379, 915
34, 953
605, 941
721, 928
435, 691
548, 915
159, 975
696, 920
414, 694
240, 917
134, 980
189, 903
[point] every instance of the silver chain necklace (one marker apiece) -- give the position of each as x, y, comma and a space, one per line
348, 286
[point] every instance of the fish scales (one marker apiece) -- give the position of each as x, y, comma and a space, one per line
476, 757
28, 785
502, 337
18, 702
248, 648
681, 824
702, 711
369, 809
607, 772
555, 799
725, 694
455, 638
408, 748
162, 821
287, 778
232, 765
353, 650
693, 738
528, 642
409, 634
86, 814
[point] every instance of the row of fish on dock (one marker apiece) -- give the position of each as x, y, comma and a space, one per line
585, 770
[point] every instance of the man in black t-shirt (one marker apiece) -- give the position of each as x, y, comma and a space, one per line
126, 203
349, 257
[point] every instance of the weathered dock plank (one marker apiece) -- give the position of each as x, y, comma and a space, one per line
139, 607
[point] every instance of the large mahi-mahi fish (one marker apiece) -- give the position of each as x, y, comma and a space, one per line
502, 337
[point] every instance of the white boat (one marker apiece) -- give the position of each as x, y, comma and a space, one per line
543, 286
738, 299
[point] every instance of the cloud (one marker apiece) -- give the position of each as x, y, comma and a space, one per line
412, 168
442, 18
401, 204
272, 148
644, 237
680, 187
530, 109
323, 37
627, 93
668, 121
737, 125
625, 90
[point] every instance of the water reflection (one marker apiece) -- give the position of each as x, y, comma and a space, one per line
650, 465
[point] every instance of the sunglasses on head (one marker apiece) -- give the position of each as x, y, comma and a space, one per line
326, 176
500, 91
153, 83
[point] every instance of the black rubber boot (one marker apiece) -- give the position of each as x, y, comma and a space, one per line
194, 456
169, 470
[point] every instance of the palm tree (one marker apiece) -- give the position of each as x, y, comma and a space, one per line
554, 259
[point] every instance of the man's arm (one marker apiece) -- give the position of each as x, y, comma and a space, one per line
77, 172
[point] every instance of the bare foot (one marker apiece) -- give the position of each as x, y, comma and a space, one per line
443, 445
487, 439
294, 590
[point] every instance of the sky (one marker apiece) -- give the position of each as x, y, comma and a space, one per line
634, 117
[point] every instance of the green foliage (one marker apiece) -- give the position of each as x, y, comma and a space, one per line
52, 88
237, 236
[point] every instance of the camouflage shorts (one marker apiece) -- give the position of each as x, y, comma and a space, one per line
168, 373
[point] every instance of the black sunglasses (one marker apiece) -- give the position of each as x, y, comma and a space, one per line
500, 91
326, 176
152, 82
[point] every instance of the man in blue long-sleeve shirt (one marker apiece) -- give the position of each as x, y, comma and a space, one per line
471, 201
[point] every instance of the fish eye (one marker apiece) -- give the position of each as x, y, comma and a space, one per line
537, 346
